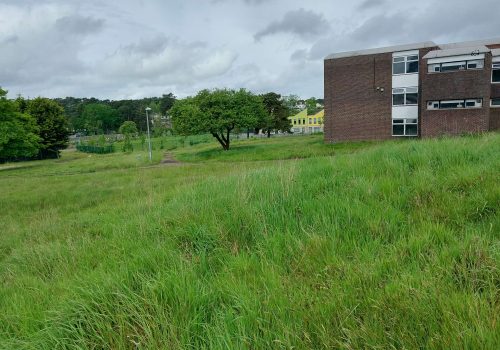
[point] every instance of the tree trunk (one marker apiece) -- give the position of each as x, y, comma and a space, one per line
269, 133
248, 133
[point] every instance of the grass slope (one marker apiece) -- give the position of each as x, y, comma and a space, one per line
395, 245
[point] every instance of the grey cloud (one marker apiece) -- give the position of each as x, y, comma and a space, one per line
368, 4
299, 55
249, 2
162, 59
11, 39
79, 25
302, 23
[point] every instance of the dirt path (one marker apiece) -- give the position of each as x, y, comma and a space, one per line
169, 159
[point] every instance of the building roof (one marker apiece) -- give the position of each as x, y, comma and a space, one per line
466, 46
405, 47
457, 51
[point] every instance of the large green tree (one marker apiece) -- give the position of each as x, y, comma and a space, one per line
217, 112
18, 131
276, 118
52, 126
311, 106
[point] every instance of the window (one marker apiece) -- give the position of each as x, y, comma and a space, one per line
405, 96
294, 122
310, 120
495, 74
456, 104
315, 120
303, 121
455, 66
405, 64
495, 102
404, 127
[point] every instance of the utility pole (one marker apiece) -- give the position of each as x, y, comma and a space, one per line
149, 137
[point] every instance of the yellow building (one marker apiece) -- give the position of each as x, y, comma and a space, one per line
307, 124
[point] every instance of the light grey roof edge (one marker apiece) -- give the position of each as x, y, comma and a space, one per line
405, 47
457, 51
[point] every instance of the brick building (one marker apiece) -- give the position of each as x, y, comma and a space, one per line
416, 90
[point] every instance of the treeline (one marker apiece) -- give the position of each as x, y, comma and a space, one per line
91, 116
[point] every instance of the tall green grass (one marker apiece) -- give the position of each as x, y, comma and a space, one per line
395, 245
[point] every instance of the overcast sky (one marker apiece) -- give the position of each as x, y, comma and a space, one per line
135, 48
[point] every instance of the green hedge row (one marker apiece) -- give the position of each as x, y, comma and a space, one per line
95, 149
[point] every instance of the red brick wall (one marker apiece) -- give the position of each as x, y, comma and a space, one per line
354, 109
494, 119
455, 85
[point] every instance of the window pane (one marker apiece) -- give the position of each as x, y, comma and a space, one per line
496, 76
411, 90
411, 121
476, 64
411, 130
411, 99
398, 68
495, 102
433, 68
452, 104
398, 91
412, 67
474, 103
447, 67
398, 99
398, 130
398, 121
413, 58
398, 59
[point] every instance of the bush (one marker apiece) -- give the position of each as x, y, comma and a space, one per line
95, 149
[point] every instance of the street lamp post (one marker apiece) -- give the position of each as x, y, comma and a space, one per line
149, 137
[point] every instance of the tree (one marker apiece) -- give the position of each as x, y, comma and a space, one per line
291, 102
217, 112
276, 117
52, 125
311, 106
99, 118
128, 129
18, 131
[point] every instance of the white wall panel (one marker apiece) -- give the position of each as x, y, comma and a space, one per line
404, 80
400, 112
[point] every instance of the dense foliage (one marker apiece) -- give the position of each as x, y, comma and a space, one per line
52, 126
133, 110
18, 131
276, 118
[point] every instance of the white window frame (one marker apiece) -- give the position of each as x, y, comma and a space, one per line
494, 67
465, 64
491, 102
405, 122
405, 91
406, 61
464, 102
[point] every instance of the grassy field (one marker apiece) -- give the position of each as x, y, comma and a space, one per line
275, 244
